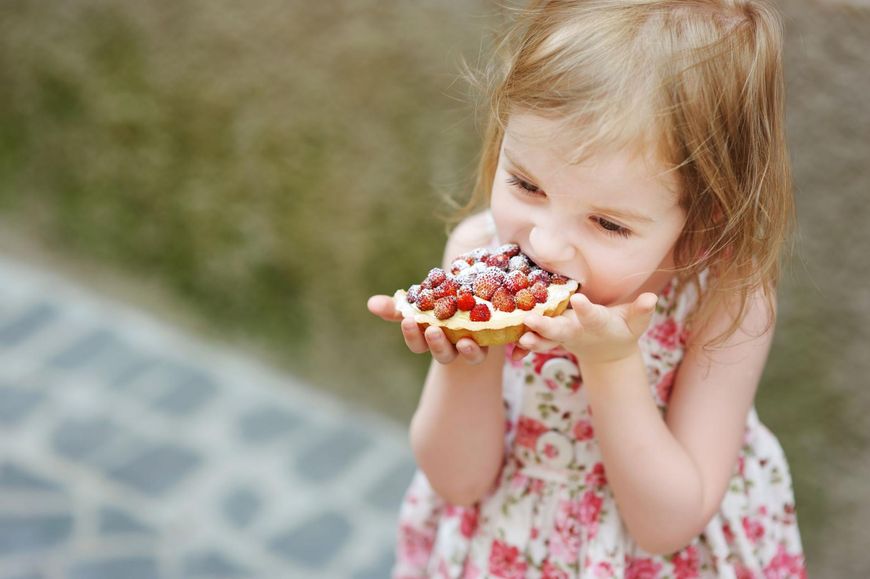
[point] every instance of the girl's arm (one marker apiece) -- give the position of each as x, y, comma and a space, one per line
669, 476
457, 432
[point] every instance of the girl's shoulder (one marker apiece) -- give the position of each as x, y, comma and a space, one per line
477, 230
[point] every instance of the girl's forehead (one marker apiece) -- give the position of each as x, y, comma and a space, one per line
539, 144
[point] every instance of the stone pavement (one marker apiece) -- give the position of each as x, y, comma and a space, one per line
131, 451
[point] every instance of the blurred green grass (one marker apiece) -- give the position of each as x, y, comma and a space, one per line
274, 164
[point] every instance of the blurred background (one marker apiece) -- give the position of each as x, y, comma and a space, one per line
252, 172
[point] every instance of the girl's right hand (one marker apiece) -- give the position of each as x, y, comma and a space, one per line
432, 340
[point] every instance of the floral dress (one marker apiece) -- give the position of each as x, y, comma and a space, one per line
552, 514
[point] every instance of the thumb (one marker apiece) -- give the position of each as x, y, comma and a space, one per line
640, 312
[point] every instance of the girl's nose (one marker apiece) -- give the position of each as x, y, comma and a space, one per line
549, 247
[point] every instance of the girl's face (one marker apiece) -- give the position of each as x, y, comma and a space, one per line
610, 222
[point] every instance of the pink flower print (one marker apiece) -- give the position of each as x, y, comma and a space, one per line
596, 477
667, 334
785, 566
550, 451
754, 529
528, 431
728, 533
414, 546
741, 572
604, 570
565, 542
686, 563
665, 386
583, 430
505, 561
590, 509
551, 571
470, 571
642, 569
469, 521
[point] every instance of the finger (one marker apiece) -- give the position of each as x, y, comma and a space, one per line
554, 329
590, 316
519, 352
640, 312
442, 350
532, 342
471, 352
384, 307
413, 336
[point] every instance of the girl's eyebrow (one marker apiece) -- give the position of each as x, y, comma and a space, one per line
515, 163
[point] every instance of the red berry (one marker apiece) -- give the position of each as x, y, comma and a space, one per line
413, 292
498, 260
436, 277
558, 279
465, 300
521, 263
539, 290
425, 300
537, 275
509, 249
487, 282
445, 307
479, 254
447, 288
458, 265
525, 299
480, 313
516, 281
503, 300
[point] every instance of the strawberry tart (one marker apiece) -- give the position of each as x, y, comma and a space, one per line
485, 296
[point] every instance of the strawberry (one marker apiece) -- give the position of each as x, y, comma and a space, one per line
519, 263
509, 249
445, 307
498, 260
458, 265
436, 277
480, 313
516, 281
479, 254
558, 279
425, 300
503, 300
539, 290
465, 300
539, 275
525, 299
487, 282
447, 288
413, 292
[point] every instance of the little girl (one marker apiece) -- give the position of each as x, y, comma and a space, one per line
638, 147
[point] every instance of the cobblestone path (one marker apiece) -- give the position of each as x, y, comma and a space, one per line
131, 451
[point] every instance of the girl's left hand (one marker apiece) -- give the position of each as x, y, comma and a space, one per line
593, 333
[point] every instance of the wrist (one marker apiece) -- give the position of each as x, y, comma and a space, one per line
611, 369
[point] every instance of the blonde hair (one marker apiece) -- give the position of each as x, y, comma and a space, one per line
697, 82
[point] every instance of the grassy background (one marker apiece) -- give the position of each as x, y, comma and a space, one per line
268, 166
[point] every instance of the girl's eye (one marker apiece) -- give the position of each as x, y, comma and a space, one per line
524, 186
611, 228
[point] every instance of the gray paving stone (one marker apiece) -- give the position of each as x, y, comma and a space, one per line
187, 388
157, 468
27, 323
117, 521
84, 349
29, 533
241, 506
314, 542
380, 569
387, 493
266, 423
80, 439
139, 567
17, 403
331, 454
213, 564
14, 477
